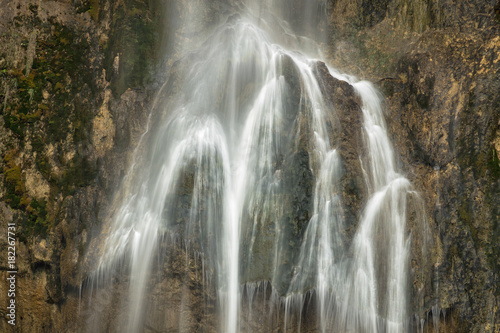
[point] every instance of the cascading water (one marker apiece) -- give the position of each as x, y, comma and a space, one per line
244, 170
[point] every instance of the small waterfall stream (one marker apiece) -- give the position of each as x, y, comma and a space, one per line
242, 166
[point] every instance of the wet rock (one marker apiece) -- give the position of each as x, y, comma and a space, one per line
346, 128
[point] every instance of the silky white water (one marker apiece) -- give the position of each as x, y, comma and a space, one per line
226, 167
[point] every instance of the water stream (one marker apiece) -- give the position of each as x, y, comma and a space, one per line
242, 167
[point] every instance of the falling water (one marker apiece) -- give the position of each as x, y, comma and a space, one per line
381, 245
225, 171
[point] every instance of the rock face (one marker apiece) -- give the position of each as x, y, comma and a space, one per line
446, 103
76, 87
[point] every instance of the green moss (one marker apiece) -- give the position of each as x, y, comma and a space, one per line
135, 38
79, 173
14, 123
14, 184
17, 197
58, 68
493, 251
39, 223
60, 71
93, 7
483, 163
493, 203
493, 164
372, 12
13, 176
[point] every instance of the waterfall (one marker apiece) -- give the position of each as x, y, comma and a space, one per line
241, 169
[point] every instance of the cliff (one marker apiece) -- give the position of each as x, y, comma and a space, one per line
78, 79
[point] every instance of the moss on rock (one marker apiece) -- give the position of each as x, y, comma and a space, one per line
132, 49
